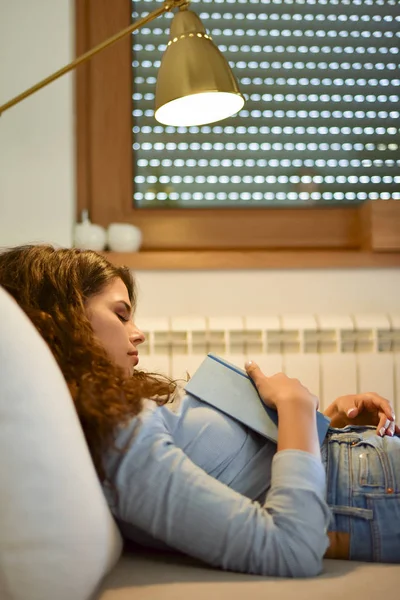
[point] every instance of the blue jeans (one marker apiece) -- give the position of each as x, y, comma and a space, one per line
363, 492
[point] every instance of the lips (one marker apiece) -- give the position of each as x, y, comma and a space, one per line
134, 357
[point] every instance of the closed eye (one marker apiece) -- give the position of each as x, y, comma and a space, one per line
121, 318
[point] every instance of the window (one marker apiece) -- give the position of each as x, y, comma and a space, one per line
227, 237
320, 125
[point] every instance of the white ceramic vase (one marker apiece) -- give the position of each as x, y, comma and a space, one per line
89, 236
123, 237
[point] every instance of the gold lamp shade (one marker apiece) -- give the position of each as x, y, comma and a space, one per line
195, 84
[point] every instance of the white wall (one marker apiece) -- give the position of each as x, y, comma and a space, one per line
37, 190
36, 137
219, 293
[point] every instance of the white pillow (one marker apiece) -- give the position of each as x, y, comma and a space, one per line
57, 536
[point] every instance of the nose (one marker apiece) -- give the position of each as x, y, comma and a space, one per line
136, 336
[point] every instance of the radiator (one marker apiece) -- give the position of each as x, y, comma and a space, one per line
331, 355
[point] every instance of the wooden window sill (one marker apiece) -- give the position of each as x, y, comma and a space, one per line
252, 259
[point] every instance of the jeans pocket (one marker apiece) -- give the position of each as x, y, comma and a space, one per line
385, 527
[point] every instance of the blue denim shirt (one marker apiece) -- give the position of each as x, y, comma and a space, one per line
200, 482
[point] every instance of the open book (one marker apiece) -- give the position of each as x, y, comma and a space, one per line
229, 389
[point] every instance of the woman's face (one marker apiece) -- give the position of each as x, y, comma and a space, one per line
110, 314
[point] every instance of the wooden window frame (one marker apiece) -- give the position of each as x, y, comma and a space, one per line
366, 235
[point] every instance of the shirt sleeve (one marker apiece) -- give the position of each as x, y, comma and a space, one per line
160, 491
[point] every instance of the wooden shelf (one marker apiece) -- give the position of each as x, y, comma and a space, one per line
252, 259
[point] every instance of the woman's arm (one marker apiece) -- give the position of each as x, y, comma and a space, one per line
160, 491
298, 427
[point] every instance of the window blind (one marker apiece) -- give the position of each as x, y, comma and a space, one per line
320, 124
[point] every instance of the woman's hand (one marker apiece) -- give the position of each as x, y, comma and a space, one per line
279, 389
363, 409
296, 406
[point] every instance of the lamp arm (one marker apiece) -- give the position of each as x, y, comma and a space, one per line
167, 6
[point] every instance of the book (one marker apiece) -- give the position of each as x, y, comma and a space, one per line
229, 389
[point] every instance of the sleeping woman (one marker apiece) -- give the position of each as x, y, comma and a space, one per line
181, 474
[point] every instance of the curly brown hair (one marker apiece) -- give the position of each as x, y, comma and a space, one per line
51, 286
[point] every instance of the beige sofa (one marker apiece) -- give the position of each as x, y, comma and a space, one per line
145, 576
58, 540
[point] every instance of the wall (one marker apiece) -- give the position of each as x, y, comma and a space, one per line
259, 293
37, 190
36, 137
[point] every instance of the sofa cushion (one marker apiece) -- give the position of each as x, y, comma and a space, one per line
57, 536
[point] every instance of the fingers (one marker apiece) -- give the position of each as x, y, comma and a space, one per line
279, 388
383, 425
253, 370
257, 376
250, 366
381, 403
358, 406
374, 402
387, 425
352, 412
262, 383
